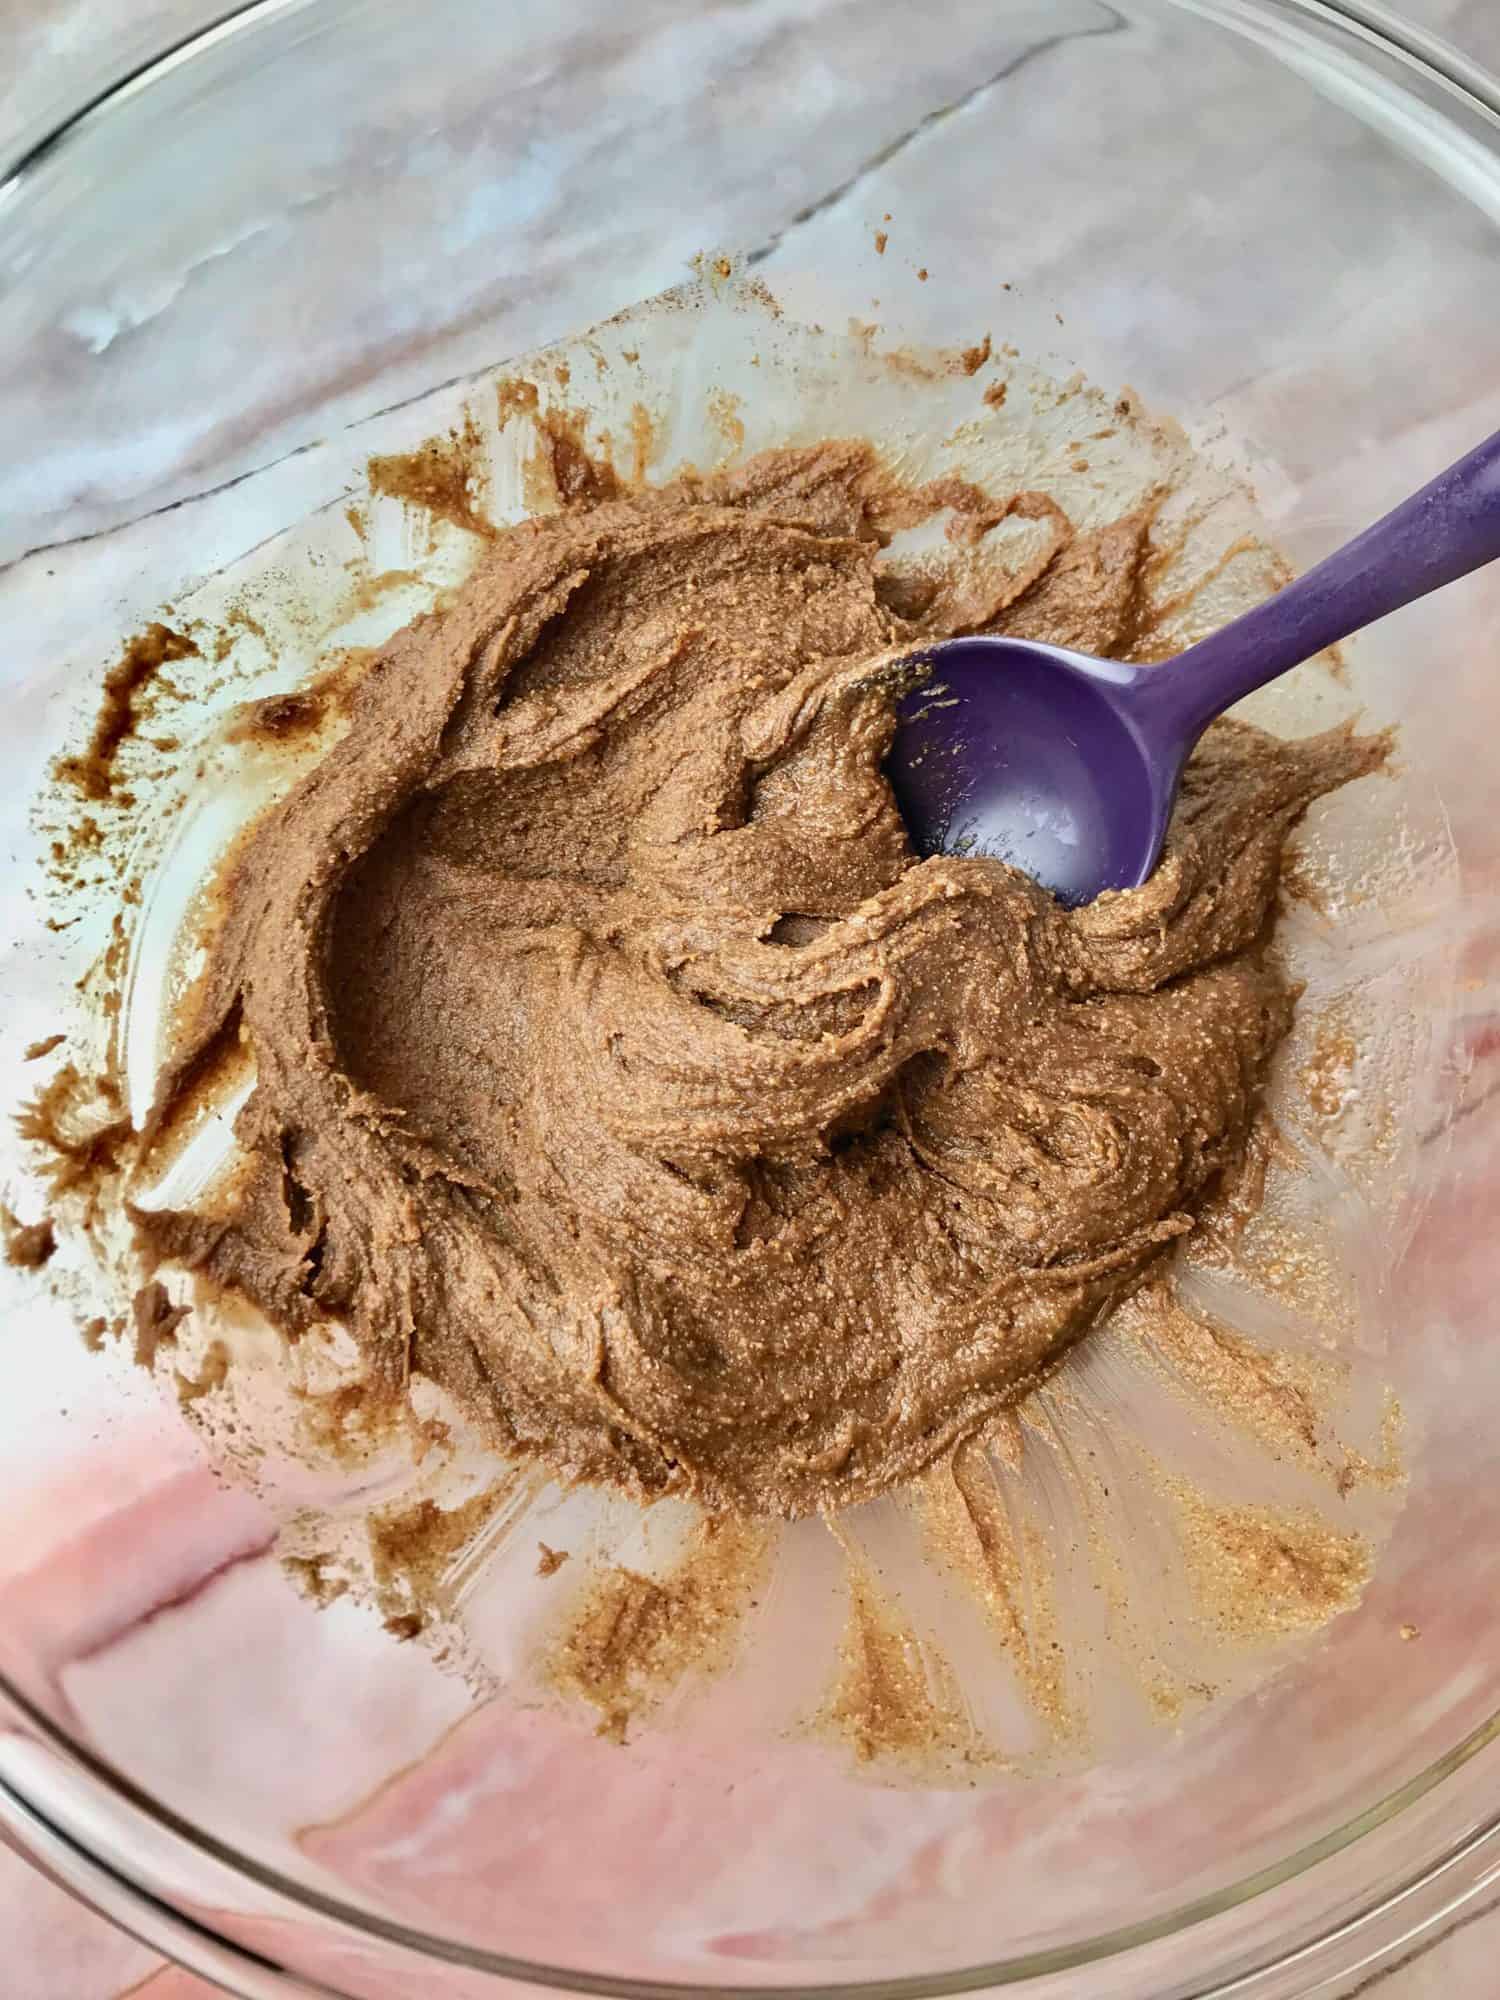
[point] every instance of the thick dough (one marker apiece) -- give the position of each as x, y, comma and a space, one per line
620, 1068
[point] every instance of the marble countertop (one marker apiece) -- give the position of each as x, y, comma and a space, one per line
55, 53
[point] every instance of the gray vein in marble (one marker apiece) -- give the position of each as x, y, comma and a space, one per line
187, 499
251, 472
1112, 24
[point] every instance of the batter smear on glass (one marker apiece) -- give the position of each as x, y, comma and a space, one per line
621, 1068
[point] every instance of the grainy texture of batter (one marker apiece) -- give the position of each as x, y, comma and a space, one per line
620, 1067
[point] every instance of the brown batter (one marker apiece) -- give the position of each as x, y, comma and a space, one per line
620, 1068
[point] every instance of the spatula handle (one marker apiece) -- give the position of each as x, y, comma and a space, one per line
1452, 526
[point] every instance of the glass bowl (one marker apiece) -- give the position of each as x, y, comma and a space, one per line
221, 284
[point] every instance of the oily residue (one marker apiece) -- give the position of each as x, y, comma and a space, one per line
413, 1550
368, 591
1278, 1398
1002, 1566
155, 1319
1328, 1076
724, 413
279, 718
446, 478
78, 1123
643, 443
515, 397
972, 359
1259, 1573
895, 1699
317, 1577
636, 1638
92, 771
562, 468
1387, 1471
294, 716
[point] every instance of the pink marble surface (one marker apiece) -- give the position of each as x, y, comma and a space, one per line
50, 1947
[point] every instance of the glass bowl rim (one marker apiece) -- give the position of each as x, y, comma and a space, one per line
1428, 56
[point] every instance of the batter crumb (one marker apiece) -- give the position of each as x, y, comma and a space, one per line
28, 1245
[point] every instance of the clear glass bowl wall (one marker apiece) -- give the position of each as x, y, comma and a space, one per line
1274, 220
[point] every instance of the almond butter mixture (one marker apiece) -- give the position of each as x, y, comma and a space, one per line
620, 1067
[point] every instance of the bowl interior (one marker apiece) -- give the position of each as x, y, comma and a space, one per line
230, 284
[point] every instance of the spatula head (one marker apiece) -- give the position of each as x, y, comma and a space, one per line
1033, 754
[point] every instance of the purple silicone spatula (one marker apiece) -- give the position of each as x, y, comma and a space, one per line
1067, 766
